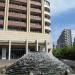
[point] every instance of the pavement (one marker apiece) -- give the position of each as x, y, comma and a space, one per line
5, 63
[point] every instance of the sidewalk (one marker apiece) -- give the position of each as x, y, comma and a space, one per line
6, 63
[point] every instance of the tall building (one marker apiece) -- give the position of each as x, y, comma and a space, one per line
65, 39
24, 27
74, 42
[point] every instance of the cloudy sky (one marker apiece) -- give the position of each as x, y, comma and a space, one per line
62, 17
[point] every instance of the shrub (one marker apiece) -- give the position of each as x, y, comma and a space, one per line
65, 53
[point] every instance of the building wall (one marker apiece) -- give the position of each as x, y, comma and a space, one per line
22, 36
74, 42
65, 39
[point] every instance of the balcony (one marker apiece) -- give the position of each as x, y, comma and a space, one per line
3, 1
47, 20
36, 17
1, 22
17, 15
2, 5
47, 13
35, 3
37, 26
1, 13
35, 10
45, 5
16, 24
17, 7
19, 2
48, 28
24, 1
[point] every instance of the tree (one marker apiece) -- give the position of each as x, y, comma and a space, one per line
68, 52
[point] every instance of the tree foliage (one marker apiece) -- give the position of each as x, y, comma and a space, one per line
65, 53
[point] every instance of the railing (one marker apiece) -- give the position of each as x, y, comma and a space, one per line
2, 4
16, 24
36, 17
1, 22
36, 3
35, 25
47, 28
36, 10
21, 1
13, 6
1, 13
17, 15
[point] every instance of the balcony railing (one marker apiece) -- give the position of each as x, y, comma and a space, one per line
1, 22
1, 13
20, 2
13, 6
2, 4
48, 28
33, 25
36, 17
2, 1
16, 24
36, 10
36, 3
17, 15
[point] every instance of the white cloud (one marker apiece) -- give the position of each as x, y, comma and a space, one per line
58, 6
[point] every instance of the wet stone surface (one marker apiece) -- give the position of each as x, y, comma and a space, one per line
37, 64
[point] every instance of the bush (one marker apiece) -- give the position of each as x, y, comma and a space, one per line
65, 53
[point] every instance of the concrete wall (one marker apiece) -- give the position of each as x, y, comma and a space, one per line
22, 36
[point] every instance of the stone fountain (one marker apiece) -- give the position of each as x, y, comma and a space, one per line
38, 63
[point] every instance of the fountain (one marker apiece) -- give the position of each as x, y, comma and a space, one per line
38, 63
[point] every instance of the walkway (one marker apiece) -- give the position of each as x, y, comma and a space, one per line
4, 63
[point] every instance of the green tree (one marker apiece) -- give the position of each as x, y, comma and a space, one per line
68, 52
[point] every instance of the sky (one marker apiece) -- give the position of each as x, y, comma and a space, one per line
62, 17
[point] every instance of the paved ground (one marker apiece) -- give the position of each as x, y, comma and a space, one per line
71, 63
4, 63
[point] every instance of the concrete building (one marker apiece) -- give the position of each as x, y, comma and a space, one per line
24, 27
65, 39
74, 42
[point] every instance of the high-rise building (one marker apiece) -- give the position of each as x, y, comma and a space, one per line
24, 27
74, 42
65, 39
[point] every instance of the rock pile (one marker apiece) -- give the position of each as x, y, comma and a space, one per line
37, 63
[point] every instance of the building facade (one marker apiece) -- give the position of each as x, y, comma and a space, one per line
24, 27
65, 39
74, 42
